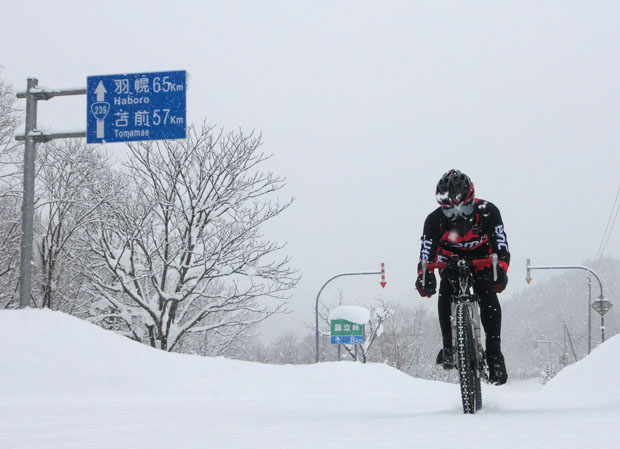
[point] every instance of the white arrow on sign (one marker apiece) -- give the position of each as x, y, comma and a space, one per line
100, 91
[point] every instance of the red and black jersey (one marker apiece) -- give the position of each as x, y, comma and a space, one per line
486, 237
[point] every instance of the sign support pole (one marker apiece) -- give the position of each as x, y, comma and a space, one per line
30, 138
25, 266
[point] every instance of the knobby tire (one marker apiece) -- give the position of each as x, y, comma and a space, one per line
471, 394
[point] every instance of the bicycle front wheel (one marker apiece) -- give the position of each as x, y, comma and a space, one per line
471, 394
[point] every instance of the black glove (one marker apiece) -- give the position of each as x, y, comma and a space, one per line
498, 285
429, 288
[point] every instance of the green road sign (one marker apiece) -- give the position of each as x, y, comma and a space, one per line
345, 333
344, 328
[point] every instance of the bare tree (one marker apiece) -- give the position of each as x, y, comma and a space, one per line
403, 339
244, 345
73, 183
9, 121
285, 349
10, 197
9, 250
183, 252
410, 343
381, 311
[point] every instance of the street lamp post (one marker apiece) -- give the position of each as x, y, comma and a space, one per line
601, 299
316, 306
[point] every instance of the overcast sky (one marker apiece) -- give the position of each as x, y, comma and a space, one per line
364, 106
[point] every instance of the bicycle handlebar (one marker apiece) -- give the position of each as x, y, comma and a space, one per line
477, 263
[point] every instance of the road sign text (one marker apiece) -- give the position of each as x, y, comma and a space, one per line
136, 106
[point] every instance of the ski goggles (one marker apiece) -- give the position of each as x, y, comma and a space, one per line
460, 210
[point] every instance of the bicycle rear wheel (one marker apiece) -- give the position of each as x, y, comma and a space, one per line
471, 393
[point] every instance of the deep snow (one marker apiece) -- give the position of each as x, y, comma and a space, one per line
65, 383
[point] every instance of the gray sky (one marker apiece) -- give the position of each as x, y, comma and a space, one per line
364, 105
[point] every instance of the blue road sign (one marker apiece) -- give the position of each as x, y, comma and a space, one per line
347, 340
136, 106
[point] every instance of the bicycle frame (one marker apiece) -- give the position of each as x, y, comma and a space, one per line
465, 297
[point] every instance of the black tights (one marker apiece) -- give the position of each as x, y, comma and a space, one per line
490, 313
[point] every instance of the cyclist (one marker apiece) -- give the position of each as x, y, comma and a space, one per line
466, 226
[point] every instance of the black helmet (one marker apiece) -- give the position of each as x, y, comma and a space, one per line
455, 194
454, 189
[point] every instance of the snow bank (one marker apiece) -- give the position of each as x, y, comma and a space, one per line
592, 379
53, 355
354, 314
49, 355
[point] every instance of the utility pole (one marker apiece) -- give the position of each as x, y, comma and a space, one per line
570, 341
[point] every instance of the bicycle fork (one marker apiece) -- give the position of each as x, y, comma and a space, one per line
474, 312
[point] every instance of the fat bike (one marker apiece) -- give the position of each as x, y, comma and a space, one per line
470, 359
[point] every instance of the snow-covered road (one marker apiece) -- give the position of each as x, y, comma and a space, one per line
67, 384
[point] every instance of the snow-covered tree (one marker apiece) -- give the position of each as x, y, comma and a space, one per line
73, 183
10, 231
403, 338
10, 196
183, 252
9, 120
285, 350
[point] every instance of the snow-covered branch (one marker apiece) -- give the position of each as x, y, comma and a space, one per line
187, 248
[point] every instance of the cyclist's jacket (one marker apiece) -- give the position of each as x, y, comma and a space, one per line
486, 237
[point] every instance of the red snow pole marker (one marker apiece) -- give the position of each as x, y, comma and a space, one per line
383, 283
